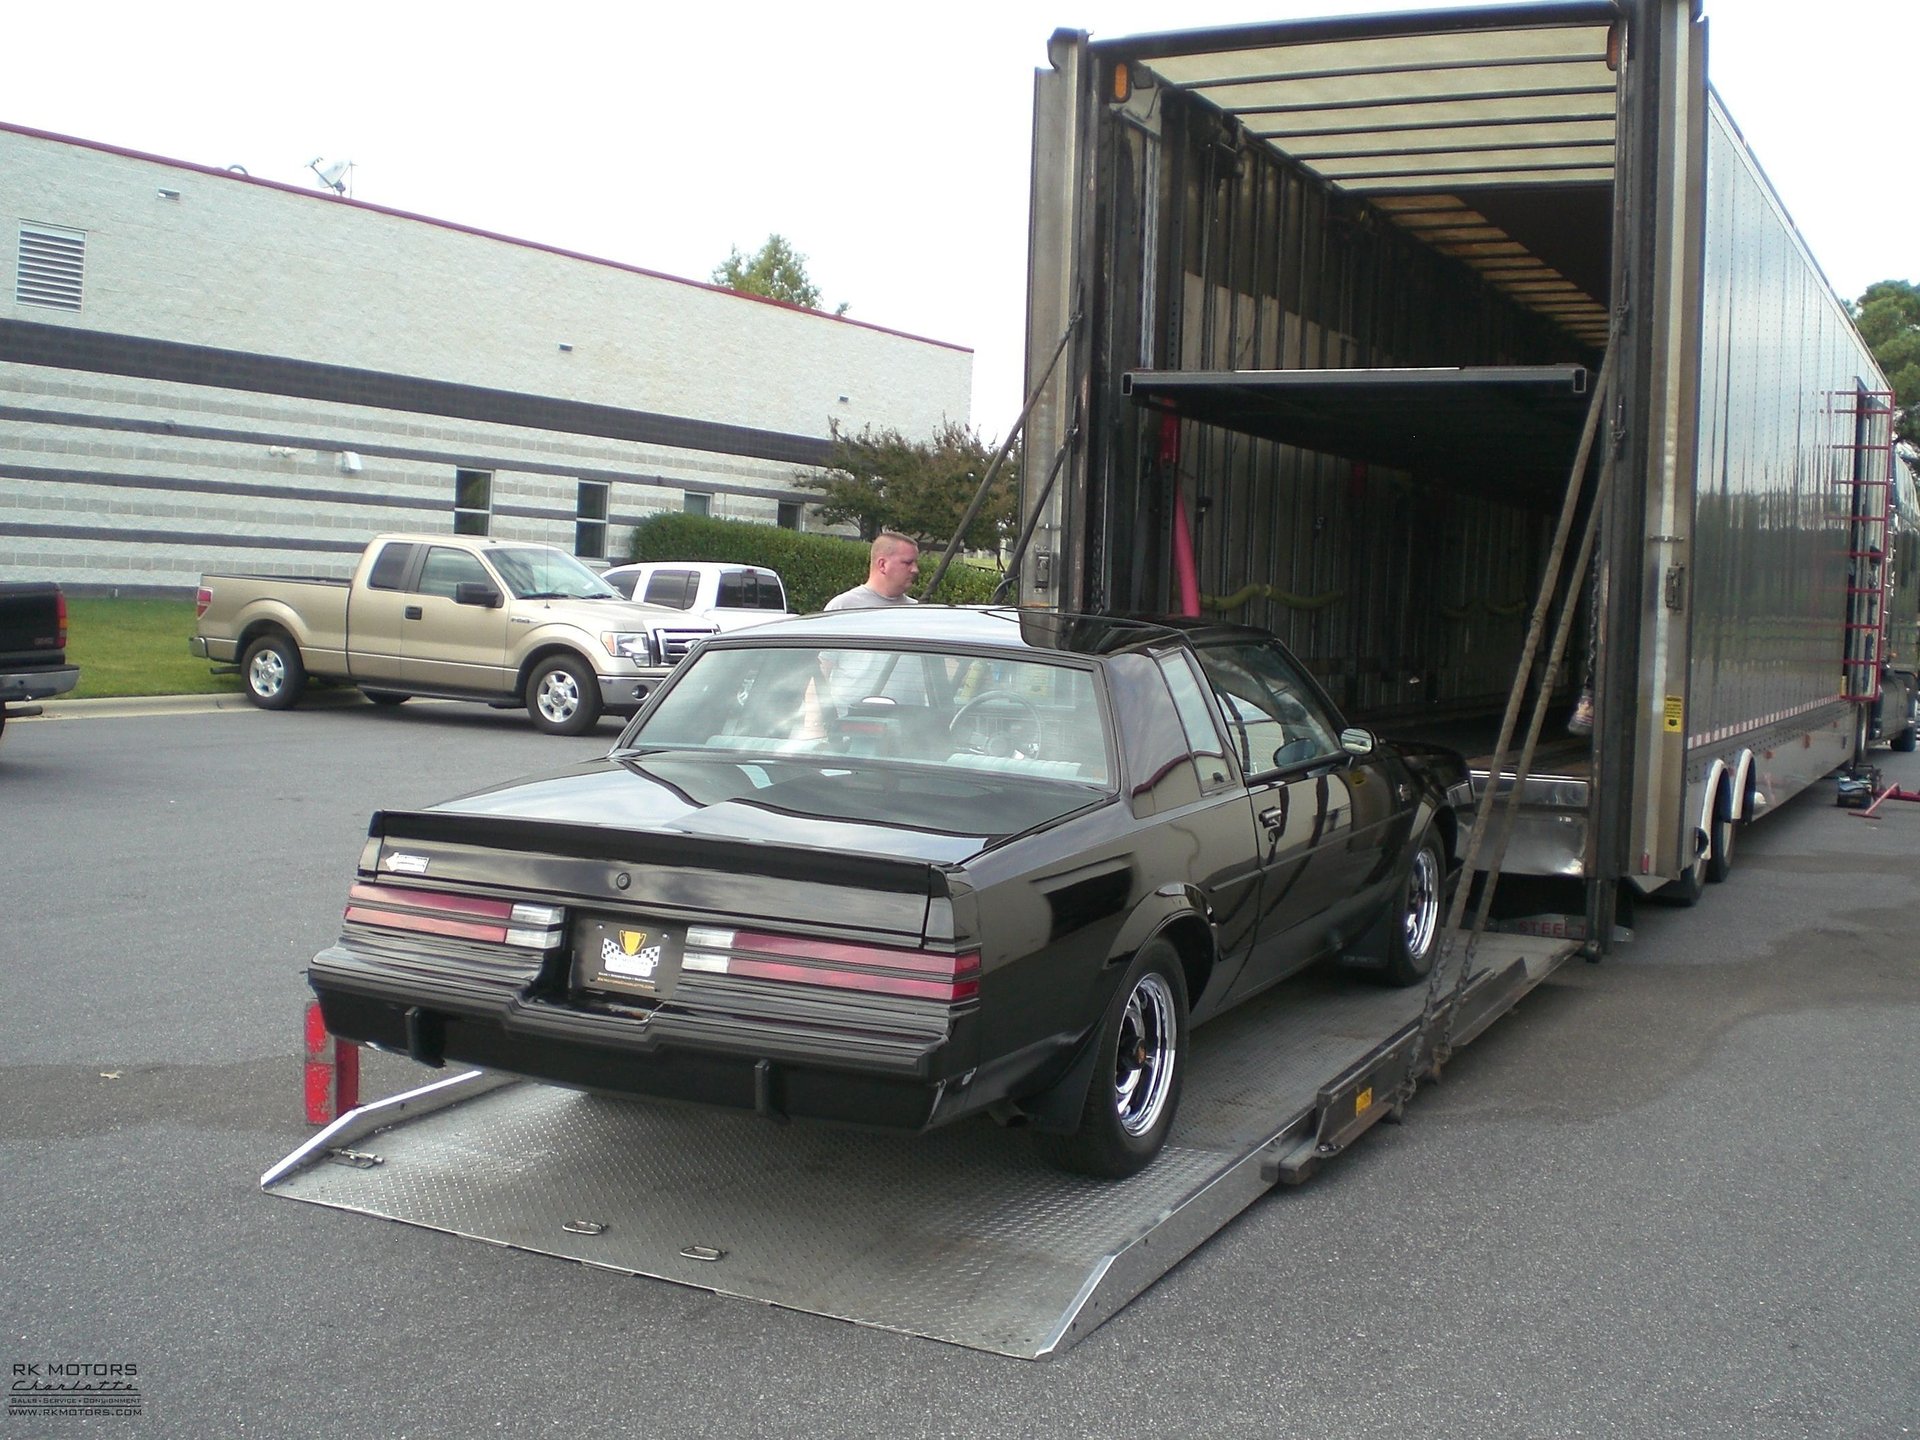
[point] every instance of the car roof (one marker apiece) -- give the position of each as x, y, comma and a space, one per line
996, 627
718, 566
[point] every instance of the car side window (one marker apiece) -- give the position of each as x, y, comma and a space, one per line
389, 570
446, 569
1274, 718
674, 588
1203, 736
1160, 770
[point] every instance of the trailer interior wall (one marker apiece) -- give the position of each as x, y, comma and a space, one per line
1459, 190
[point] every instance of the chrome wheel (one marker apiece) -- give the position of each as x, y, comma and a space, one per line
267, 674
558, 696
1145, 1058
1422, 917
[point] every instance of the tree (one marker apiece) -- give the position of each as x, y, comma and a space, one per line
880, 480
776, 270
1889, 319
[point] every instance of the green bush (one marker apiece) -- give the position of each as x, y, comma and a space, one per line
814, 568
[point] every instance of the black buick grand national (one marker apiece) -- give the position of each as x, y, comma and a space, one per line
893, 867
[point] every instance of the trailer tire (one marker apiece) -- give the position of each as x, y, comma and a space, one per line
1413, 937
1139, 1063
563, 698
1719, 858
272, 672
1685, 892
1910, 736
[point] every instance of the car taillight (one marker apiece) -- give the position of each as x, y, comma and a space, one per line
459, 917
880, 969
202, 598
60, 619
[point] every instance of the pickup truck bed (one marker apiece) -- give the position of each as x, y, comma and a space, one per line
33, 647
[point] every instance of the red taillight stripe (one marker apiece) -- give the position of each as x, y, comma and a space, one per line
60, 604
474, 906
829, 952
750, 968
428, 924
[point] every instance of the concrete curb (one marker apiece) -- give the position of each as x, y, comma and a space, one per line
110, 706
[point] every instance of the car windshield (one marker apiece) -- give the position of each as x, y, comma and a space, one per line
540, 572
1012, 716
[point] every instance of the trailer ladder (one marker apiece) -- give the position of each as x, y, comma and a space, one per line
1865, 418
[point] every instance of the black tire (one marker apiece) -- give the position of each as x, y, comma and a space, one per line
272, 672
1138, 1067
386, 698
563, 697
1909, 737
1720, 839
1414, 935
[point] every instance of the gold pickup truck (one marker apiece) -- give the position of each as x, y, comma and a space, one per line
455, 617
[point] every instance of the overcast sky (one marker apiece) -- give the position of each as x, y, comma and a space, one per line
888, 142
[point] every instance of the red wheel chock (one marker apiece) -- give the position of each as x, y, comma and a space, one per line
333, 1071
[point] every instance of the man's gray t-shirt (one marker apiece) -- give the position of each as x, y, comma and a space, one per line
864, 597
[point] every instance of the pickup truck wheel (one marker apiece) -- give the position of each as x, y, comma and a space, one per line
563, 697
1414, 938
275, 678
1137, 1072
387, 698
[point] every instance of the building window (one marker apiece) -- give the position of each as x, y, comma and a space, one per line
473, 502
590, 520
790, 512
694, 503
51, 268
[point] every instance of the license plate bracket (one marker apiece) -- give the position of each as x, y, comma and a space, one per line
627, 956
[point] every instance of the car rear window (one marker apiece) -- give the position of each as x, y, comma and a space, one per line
1022, 719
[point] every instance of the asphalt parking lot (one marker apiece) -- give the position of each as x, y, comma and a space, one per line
1673, 1194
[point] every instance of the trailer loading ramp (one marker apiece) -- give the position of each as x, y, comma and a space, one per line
961, 1235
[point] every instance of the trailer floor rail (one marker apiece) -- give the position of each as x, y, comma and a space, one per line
962, 1235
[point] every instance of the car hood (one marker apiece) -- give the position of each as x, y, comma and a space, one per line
859, 810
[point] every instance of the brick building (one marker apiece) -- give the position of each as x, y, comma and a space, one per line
200, 370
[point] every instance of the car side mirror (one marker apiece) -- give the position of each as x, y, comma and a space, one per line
1358, 743
476, 592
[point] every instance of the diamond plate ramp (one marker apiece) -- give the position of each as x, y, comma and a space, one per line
961, 1235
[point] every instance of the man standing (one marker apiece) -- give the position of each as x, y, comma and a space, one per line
893, 568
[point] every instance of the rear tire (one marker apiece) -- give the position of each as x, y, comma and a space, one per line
272, 672
1138, 1067
1719, 861
1414, 937
563, 698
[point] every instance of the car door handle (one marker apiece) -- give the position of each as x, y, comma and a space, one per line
414, 612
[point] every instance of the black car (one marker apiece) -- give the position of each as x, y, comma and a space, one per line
896, 866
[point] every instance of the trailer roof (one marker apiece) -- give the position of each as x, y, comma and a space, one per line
1480, 130
1508, 430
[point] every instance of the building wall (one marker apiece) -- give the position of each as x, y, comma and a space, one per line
260, 377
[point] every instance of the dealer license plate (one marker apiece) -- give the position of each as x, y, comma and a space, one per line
638, 957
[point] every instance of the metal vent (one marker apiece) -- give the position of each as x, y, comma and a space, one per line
52, 267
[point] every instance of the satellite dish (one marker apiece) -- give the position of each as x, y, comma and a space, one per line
332, 173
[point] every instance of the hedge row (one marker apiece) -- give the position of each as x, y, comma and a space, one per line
814, 568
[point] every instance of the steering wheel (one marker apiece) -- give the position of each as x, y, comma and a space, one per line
971, 731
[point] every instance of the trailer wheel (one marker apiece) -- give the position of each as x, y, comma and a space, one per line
1415, 933
1138, 1067
1908, 737
275, 678
563, 698
1719, 861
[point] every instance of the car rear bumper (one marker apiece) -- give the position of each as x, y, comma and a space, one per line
20, 686
706, 1059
